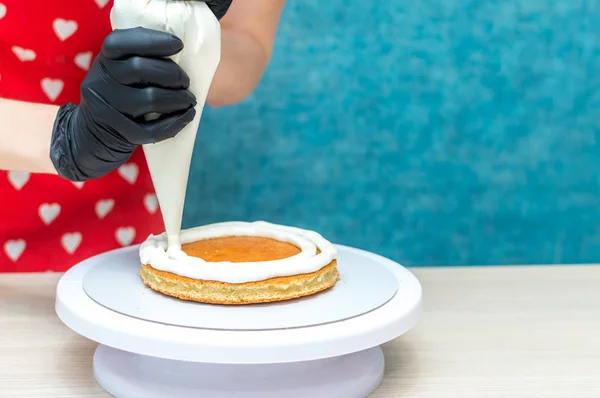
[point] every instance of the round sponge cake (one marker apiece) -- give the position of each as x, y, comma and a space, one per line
240, 249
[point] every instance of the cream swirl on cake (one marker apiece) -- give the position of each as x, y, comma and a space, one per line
154, 253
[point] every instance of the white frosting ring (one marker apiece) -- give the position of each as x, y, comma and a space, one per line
154, 252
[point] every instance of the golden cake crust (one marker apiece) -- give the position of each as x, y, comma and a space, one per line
214, 292
240, 249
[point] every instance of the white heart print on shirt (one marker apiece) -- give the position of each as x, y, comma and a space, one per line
78, 184
84, 60
129, 172
24, 54
151, 203
64, 28
125, 235
2, 10
71, 241
18, 179
52, 88
103, 207
48, 212
101, 3
14, 249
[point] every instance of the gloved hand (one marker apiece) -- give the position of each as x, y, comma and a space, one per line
218, 7
130, 78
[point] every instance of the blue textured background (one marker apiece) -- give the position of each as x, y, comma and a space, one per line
435, 132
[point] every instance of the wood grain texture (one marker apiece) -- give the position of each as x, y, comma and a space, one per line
485, 332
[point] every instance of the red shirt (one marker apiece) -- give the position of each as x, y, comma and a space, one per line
48, 223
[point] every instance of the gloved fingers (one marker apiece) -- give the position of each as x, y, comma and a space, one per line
141, 71
123, 43
168, 126
162, 101
125, 131
136, 102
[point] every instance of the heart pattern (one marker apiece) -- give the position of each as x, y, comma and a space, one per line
64, 28
24, 54
52, 217
71, 241
125, 235
84, 60
18, 179
103, 207
48, 212
14, 248
129, 172
52, 88
151, 203
101, 3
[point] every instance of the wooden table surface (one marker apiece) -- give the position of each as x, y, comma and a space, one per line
485, 332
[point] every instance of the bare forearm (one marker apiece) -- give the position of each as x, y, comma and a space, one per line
25, 133
243, 62
248, 33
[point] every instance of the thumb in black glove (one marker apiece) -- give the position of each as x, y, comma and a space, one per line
130, 78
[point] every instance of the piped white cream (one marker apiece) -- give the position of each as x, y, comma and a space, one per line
153, 252
169, 161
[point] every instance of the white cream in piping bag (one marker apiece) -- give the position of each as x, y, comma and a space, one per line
169, 161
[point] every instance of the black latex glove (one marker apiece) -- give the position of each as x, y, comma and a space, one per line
128, 79
218, 7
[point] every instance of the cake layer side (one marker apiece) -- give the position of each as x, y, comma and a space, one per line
215, 292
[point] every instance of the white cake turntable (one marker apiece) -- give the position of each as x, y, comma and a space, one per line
323, 346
